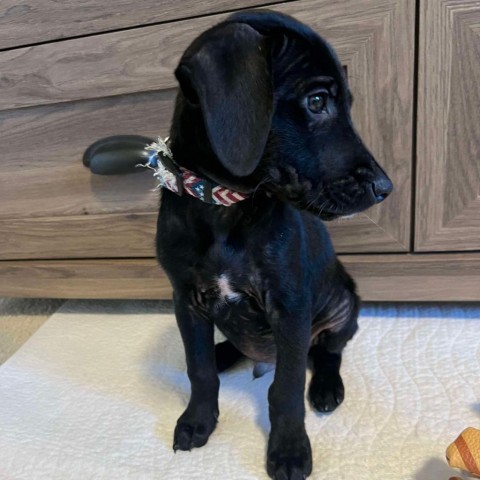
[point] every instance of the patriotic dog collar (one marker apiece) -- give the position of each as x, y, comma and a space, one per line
180, 180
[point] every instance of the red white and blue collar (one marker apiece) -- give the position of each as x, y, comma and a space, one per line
180, 180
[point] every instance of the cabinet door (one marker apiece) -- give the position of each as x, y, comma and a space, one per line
375, 42
447, 213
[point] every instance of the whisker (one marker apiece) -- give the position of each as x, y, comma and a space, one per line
319, 194
263, 181
322, 206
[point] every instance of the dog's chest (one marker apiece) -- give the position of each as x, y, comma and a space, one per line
237, 310
225, 277
228, 289
225, 290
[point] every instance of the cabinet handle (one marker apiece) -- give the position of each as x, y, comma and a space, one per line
117, 155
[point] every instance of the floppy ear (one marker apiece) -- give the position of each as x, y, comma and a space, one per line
226, 71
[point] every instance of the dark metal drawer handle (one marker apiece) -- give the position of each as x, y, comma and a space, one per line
117, 155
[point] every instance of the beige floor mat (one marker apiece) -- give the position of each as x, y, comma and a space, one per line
20, 318
96, 391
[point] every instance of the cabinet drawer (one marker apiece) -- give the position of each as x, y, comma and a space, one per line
52, 207
35, 21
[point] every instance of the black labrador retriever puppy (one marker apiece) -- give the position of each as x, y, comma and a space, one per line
264, 111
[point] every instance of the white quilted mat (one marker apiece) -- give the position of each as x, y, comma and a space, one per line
95, 394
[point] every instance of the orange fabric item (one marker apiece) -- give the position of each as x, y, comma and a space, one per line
464, 452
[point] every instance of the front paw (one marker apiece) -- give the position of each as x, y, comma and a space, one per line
326, 392
194, 428
289, 457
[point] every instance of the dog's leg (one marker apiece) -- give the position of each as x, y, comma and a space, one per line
226, 355
289, 454
199, 419
326, 391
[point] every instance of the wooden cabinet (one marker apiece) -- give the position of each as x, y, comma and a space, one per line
79, 74
447, 212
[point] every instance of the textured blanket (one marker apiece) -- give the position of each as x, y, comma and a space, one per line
96, 392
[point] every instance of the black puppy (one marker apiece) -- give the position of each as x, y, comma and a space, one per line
264, 110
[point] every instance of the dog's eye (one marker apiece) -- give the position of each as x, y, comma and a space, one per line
317, 102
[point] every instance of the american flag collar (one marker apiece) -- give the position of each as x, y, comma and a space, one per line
180, 180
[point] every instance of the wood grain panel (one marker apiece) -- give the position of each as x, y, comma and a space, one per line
448, 148
141, 59
370, 38
363, 233
415, 277
82, 236
41, 170
138, 278
33, 21
401, 277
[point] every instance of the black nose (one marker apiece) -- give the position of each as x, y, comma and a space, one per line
382, 187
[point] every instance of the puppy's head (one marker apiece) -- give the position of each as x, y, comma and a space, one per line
269, 99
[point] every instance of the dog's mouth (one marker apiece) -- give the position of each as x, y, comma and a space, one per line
318, 206
323, 214
316, 201
339, 198
323, 210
